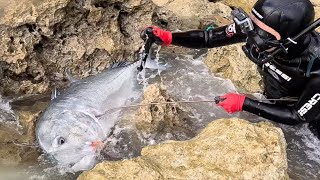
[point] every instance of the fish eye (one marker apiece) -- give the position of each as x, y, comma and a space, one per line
61, 140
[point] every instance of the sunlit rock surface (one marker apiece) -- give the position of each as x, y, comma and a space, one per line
244, 4
231, 62
226, 149
189, 14
40, 39
316, 4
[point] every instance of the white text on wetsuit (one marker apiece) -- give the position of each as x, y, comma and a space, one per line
309, 105
274, 69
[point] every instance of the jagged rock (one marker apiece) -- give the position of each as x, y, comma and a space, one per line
162, 119
40, 39
226, 149
186, 15
18, 144
19, 12
231, 62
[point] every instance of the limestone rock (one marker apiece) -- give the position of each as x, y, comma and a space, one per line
160, 2
162, 119
18, 12
40, 39
150, 117
244, 4
316, 4
231, 62
226, 149
188, 14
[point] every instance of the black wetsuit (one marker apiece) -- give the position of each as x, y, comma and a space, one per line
296, 74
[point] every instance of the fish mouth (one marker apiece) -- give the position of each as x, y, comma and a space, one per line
96, 145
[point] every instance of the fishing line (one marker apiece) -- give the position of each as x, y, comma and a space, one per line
186, 102
191, 102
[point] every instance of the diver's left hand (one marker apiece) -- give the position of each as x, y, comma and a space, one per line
232, 102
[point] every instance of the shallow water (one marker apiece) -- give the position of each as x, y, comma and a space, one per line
187, 78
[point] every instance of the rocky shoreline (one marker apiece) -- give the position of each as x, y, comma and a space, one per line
41, 39
226, 149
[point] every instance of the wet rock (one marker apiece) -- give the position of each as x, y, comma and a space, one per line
16, 148
162, 119
231, 62
18, 144
226, 149
40, 39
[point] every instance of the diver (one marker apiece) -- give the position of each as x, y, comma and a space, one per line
292, 73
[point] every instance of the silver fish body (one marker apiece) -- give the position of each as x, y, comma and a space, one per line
74, 122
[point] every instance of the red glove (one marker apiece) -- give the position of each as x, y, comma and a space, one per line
160, 36
232, 103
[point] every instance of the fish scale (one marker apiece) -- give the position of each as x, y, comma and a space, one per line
78, 108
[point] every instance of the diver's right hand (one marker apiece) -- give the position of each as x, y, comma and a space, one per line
159, 36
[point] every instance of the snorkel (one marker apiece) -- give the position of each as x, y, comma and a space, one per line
259, 50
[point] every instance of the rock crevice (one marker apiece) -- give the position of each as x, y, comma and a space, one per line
42, 38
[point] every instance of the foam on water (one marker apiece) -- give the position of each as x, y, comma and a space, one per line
6, 113
303, 152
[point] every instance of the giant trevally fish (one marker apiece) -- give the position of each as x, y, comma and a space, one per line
74, 125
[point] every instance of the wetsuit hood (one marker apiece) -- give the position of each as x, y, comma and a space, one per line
287, 17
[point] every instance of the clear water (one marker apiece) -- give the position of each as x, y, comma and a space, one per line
187, 78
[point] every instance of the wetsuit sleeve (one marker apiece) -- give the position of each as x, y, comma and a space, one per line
305, 110
213, 37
